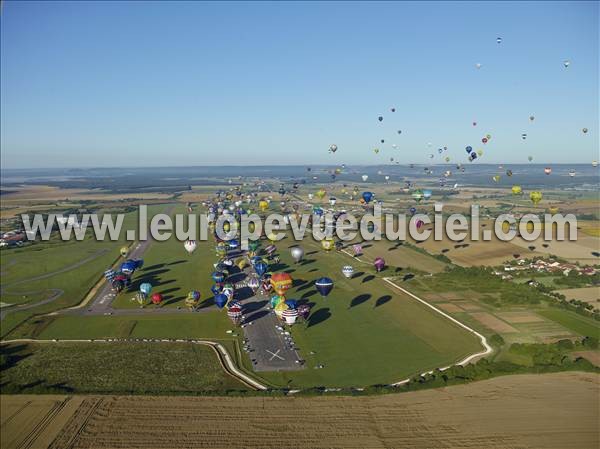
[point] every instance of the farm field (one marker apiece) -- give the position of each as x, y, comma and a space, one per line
591, 295
115, 368
502, 413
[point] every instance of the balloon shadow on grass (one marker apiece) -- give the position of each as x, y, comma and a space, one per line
358, 300
382, 300
318, 317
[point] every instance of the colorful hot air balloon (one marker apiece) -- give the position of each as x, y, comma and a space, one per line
379, 263
535, 197
280, 308
348, 271
496, 178
324, 286
234, 312
190, 246
297, 253
221, 300
218, 276
357, 249
281, 282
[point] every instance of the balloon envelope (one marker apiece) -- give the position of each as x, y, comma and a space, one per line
324, 286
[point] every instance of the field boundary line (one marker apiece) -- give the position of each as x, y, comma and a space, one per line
487, 348
223, 356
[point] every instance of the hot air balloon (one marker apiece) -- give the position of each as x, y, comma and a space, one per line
261, 268
379, 263
234, 312
333, 148
156, 298
509, 173
566, 63
327, 244
332, 201
280, 308
190, 246
253, 283
516, 190
524, 136
417, 195
365, 177
367, 196
297, 253
357, 249
531, 118
571, 173
380, 118
553, 210
547, 170
376, 150
585, 130
324, 286
478, 65
426, 194
535, 197
124, 251
290, 316
221, 300
263, 205
496, 178
140, 298
281, 282
348, 271
498, 40
594, 163
530, 158
145, 288
321, 193
469, 149
484, 140
218, 276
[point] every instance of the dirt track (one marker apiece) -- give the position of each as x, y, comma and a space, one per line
527, 411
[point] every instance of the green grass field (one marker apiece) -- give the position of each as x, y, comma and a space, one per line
120, 368
577, 323
68, 269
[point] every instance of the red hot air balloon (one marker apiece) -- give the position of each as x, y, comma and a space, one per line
156, 298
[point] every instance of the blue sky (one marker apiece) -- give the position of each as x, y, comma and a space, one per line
167, 83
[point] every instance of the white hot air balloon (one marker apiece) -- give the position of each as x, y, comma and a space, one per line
297, 253
190, 246
290, 316
348, 271
365, 177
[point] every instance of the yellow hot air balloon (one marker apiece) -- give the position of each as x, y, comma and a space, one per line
553, 210
321, 193
263, 205
535, 197
516, 190
241, 263
496, 178
328, 244
376, 150
124, 251
280, 308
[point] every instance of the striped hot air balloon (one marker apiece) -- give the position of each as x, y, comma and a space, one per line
290, 316
348, 271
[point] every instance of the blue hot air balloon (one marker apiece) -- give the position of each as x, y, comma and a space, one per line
469, 149
220, 300
215, 289
324, 286
128, 267
139, 263
291, 303
426, 194
218, 276
261, 268
233, 244
367, 196
145, 288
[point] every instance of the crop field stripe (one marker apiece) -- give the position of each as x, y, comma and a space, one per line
488, 349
